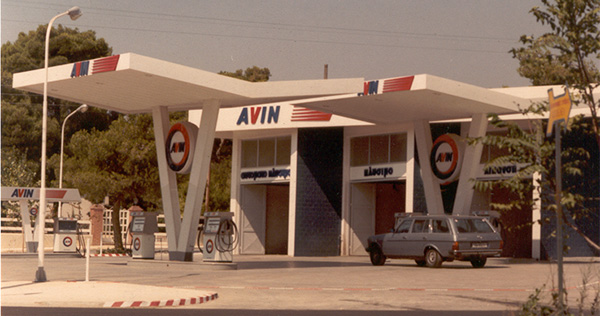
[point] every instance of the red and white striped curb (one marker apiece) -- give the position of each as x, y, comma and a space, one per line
109, 255
163, 303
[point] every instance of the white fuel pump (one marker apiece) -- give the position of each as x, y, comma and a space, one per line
143, 227
65, 235
220, 237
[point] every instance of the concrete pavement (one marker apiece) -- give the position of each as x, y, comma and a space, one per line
99, 294
285, 283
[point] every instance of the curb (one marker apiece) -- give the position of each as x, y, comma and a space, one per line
109, 255
163, 303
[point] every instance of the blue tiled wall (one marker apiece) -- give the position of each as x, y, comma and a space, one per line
319, 192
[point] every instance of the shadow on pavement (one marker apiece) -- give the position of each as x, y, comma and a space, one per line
248, 265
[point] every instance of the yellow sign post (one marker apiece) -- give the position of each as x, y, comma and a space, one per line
560, 108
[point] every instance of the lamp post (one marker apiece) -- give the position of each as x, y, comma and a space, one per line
81, 108
40, 275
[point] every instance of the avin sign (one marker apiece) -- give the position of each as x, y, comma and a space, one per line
446, 157
180, 146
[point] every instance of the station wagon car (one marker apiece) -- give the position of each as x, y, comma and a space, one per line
433, 239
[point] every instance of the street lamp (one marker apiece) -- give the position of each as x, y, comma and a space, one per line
81, 108
40, 275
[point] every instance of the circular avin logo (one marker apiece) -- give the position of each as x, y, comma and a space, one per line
209, 246
67, 241
446, 156
180, 146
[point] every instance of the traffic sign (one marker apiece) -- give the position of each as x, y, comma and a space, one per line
560, 108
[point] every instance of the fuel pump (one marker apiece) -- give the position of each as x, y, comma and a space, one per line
143, 227
65, 235
220, 237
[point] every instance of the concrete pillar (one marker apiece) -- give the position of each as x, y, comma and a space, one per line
96, 222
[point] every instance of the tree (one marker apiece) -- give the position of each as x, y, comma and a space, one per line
21, 111
119, 162
568, 54
252, 74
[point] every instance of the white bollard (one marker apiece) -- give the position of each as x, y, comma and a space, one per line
87, 259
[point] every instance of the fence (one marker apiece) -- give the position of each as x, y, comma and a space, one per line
14, 225
107, 226
108, 230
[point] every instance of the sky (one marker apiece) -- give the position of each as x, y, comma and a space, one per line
463, 40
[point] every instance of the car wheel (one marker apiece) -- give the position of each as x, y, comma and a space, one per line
377, 256
420, 263
433, 258
478, 262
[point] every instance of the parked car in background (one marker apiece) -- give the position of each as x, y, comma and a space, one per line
433, 239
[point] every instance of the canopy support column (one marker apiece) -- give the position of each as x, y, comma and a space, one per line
168, 180
433, 194
197, 184
470, 166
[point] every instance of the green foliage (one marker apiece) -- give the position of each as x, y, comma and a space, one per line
252, 74
524, 145
119, 162
533, 306
22, 112
569, 53
220, 177
17, 170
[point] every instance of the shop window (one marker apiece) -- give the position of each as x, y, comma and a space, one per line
249, 153
266, 149
266, 152
359, 155
284, 150
398, 145
378, 149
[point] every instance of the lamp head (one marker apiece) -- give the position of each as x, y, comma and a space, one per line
83, 108
74, 13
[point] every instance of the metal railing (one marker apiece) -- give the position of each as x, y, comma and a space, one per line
14, 225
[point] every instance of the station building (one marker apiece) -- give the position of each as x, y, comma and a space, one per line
306, 182
318, 165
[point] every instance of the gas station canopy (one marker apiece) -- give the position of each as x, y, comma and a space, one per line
131, 83
420, 97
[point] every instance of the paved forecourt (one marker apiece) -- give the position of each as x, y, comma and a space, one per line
286, 283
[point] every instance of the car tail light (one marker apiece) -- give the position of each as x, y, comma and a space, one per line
455, 246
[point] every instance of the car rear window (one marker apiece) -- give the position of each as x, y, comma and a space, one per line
464, 225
